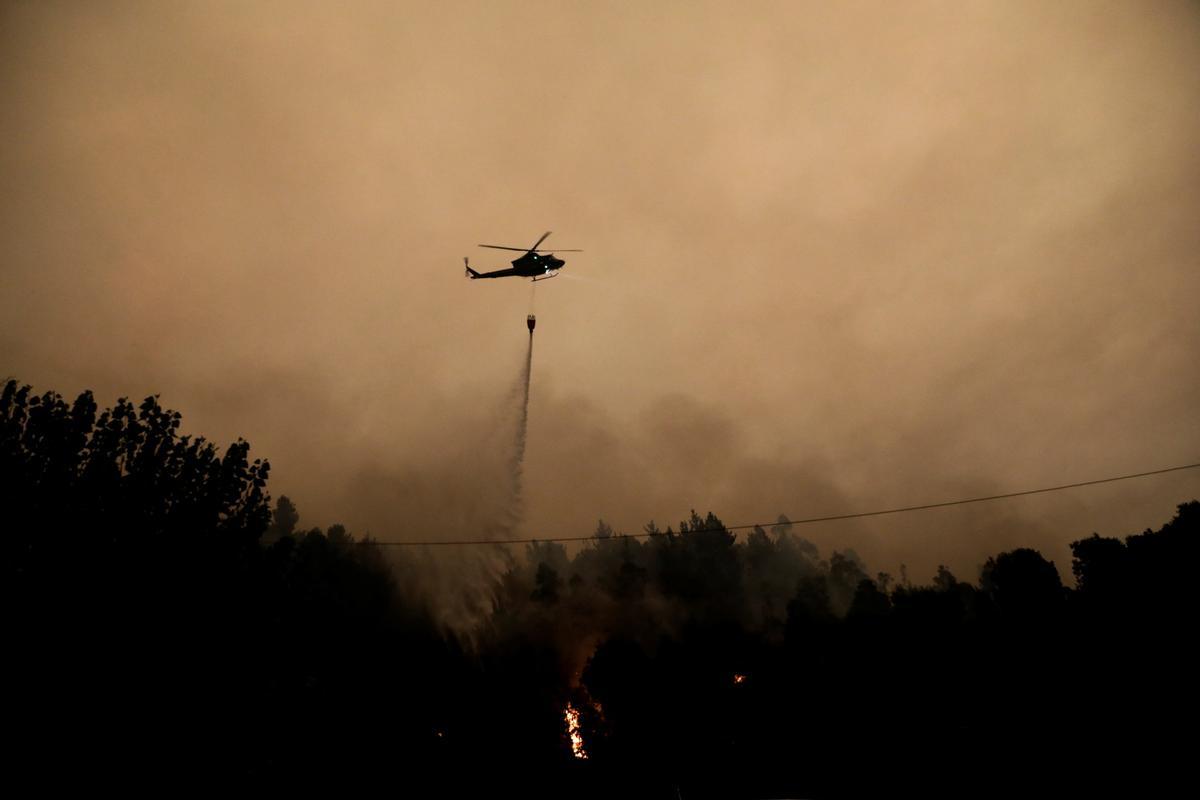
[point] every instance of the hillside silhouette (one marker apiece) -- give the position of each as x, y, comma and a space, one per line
173, 630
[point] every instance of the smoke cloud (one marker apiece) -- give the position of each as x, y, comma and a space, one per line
853, 257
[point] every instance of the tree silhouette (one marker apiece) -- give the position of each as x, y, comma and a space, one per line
1024, 585
166, 623
283, 520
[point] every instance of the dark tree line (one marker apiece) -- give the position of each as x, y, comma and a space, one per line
170, 630
160, 640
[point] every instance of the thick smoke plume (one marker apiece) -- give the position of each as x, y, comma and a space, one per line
909, 254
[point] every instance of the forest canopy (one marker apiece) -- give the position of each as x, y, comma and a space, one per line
169, 622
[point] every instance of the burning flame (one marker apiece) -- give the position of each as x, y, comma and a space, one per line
739, 678
571, 716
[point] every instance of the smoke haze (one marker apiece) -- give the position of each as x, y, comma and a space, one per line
837, 258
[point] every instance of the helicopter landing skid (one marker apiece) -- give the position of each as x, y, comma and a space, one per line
546, 277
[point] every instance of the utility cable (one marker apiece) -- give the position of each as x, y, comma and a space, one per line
806, 521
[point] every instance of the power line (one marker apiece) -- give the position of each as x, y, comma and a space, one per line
806, 521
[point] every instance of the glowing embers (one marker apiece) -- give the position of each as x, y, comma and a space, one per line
571, 717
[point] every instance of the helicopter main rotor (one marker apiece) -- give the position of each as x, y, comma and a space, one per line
533, 249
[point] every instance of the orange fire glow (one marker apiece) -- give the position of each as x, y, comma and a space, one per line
739, 678
571, 716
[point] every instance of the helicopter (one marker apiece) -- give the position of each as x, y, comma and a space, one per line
537, 264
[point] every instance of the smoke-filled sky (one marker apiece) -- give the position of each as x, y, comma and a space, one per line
838, 257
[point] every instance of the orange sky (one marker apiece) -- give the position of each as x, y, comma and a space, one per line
838, 257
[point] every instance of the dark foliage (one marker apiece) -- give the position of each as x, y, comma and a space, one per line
170, 631
158, 642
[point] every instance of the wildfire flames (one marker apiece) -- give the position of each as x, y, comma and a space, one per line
571, 716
